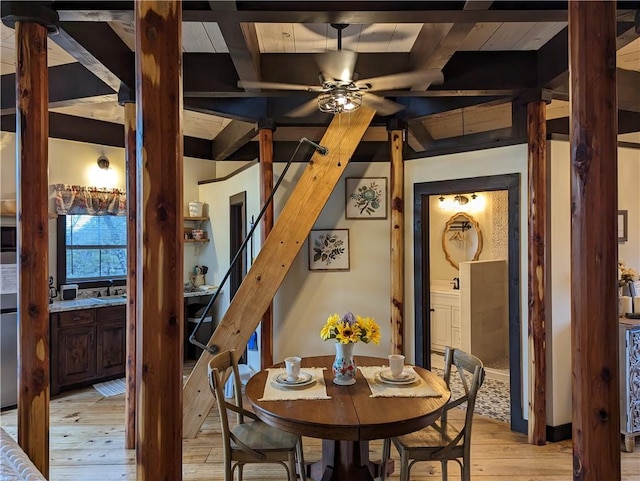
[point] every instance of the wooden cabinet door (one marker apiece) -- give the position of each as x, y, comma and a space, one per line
76, 354
440, 326
111, 354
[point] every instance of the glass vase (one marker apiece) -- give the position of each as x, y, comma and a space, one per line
344, 366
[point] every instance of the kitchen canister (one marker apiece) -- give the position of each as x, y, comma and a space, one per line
195, 208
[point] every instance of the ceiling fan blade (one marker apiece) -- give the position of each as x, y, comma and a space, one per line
381, 105
251, 84
305, 109
338, 64
403, 80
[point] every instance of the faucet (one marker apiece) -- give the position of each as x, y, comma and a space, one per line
109, 284
455, 283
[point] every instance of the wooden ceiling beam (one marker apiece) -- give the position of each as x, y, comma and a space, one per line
233, 136
242, 42
354, 12
427, 54
418, 137
96, 46
66, 83
91, 131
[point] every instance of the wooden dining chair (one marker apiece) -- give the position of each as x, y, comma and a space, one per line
249, 441
442, 441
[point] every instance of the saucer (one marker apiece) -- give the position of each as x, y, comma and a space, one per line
304, 379
406, 377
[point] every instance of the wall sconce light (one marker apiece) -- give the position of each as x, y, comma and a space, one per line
441, 198
103, 162
461, 199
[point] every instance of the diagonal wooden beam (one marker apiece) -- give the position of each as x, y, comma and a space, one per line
436, 43
280, 249
419, 138
66, 84
242, 42
97, 47
233, 136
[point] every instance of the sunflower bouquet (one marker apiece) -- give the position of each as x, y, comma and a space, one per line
350, 328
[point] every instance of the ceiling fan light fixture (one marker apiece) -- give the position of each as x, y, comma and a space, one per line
339, 100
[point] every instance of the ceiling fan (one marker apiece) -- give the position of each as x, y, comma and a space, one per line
339, 90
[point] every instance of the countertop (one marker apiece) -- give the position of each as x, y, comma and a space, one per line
96, 302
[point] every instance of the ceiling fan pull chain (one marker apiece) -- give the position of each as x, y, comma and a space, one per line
340, 146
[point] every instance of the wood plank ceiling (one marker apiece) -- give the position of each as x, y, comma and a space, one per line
453, 112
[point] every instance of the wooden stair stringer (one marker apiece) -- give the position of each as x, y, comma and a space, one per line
275, 258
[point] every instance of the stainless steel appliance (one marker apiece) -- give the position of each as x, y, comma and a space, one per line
8, 329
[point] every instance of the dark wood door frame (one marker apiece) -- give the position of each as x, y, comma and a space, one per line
422, 191
237, 234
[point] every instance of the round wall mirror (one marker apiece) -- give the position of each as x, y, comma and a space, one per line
461, 239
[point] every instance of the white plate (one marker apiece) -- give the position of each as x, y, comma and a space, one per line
304, 379
407, 377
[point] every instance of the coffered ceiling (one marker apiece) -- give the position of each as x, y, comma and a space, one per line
494, 56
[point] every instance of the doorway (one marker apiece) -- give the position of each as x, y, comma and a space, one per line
422, 262
237, 234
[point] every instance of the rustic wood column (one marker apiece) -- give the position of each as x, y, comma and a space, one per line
32, 137
132, 260
538, 212
265, 136
159, 228
396, 142
594, 248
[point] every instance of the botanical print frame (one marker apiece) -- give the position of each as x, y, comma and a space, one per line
329, 250
622, 226
366, 198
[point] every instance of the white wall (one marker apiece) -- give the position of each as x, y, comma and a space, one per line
504, 160
559, 329
216, 253
306, 298
75, 163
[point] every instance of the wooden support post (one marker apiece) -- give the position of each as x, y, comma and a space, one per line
280, 249
158, 26
32, 139
132, 256
538, 239
265, 137
396, 141
594, 248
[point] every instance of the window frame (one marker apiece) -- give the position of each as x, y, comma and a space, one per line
61, 270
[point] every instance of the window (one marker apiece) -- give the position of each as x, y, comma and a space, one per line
91, 249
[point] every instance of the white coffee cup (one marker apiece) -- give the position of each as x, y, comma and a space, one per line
396, 364
293, 367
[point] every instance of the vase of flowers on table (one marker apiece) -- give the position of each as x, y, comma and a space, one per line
347, 330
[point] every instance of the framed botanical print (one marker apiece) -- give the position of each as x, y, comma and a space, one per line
329, 250
366, 198
622, 226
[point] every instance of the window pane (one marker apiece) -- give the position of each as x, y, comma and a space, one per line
113, 262
90, 230
83, 263
96, 247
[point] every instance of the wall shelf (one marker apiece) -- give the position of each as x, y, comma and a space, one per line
196, 240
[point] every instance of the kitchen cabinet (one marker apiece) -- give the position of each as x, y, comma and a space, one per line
629, 381
88, 346
445, 320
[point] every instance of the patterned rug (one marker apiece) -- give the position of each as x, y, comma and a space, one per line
493, 398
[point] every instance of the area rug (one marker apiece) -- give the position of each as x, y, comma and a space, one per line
111, 388
494, 399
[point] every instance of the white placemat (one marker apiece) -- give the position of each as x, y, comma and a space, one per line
276, 392
381, 389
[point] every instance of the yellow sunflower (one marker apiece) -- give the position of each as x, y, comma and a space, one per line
347, 333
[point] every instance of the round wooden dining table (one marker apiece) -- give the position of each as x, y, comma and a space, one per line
350, 419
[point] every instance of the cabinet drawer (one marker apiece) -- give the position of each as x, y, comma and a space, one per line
112, 313
76, 318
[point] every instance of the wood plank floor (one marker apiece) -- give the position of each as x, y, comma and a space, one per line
87, 443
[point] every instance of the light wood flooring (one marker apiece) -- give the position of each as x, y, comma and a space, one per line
87, 443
